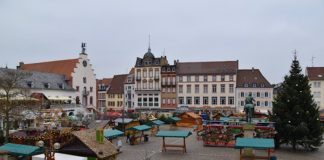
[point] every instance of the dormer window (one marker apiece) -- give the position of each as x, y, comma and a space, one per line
254, 85
47, 85
246, 85
262, 85
61, 85
30, 84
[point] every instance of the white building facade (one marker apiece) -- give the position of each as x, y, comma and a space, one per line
206, 84
129, 91
316, 81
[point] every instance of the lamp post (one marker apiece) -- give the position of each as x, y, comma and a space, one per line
49, 152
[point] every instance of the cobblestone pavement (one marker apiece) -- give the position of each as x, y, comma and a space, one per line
196, 151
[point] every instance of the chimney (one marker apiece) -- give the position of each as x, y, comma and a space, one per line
20, 64
100, 136
252, 69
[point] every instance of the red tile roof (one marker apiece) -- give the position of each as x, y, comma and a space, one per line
65, 67
250, 77
315, 73
117, 84
105, 81
218, 67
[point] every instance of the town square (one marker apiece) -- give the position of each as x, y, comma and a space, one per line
161, 80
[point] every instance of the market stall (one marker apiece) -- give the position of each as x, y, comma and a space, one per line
174, 134
140, 128
247, 145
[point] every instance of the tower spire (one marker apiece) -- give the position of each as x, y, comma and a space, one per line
149, 45
83, 47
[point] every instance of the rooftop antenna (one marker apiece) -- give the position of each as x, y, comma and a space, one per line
313, 58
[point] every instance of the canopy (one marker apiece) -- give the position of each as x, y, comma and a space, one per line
156, 122
174, 119
112, 133
140, 128
256, 143
176, 134
20, 150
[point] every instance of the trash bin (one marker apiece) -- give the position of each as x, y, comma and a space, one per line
146, 138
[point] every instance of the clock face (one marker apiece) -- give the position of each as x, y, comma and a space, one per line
84, 63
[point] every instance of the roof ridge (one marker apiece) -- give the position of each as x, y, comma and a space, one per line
52, 61
209, 61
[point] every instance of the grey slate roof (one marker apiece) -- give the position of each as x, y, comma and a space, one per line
39, 79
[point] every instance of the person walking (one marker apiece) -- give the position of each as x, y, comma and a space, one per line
119, 145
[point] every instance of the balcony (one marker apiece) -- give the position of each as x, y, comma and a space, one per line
85, 93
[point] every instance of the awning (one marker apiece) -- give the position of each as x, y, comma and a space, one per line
174, 119
255, 143
156, 122
175, 134
21, 150
140, 128
126, 120
112, 133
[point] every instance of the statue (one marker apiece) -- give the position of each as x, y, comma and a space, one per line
249, 107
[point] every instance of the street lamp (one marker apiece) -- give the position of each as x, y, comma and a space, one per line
49, 151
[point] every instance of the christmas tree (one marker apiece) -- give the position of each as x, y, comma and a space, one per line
295, 112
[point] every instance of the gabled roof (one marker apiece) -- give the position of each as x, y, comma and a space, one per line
105, 81
191, 114
251, 76
117, 84
315, 73
217, 67
65, 67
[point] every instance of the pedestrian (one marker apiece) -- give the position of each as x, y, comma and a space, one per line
119, 145
127, 137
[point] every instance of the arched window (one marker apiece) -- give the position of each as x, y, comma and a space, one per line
91, 99
77, 100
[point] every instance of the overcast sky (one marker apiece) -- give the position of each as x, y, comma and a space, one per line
259, 33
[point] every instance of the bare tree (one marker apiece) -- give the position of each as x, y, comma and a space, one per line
10, 88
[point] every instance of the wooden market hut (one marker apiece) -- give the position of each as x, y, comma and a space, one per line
189, 119
87, 144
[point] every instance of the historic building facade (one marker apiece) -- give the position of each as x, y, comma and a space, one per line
168, 87
115, 93
102, 89
148, 81
207, 84
252, 81
129, 90
316, 80
78, 72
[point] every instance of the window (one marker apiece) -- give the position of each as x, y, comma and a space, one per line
188, 78
163, 80
91, 88
262, 85
189, 100
91, 100
246, 85
242, 103
214, 100
151, 73
197, 88
223, 78
84, 79
231, 78
258, 103
223, 100
214, 88
317, 84
197, 100
188, 88
317, 94
180, 89
205, 78
144, 85
242, 94
169, 100
205, 88
205, 100
144, 73
266, 94
231, 88
214, 78
266, 103
180, 78
254, 85
30, 84
196, 78
151, 85
258, 94
77, 100
222, 88
47, 85
181, 101
230, 100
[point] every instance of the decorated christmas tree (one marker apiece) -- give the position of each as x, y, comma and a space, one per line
295, 112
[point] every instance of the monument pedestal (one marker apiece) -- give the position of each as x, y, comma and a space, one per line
248, 130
